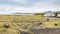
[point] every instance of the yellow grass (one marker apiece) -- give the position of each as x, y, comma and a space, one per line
20, 22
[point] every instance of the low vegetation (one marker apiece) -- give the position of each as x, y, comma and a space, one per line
20, 23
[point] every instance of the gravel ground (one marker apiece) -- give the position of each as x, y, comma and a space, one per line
46, 31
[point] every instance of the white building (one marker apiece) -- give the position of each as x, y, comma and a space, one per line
49, 14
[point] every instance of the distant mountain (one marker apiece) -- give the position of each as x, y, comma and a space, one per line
52, 12
23, 13
57, 12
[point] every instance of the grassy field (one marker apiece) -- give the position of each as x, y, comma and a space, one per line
24, 23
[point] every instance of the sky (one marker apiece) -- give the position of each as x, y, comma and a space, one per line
28, 6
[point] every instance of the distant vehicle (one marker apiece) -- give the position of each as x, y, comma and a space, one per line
58, 15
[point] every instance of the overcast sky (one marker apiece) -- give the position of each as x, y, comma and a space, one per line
28, 6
